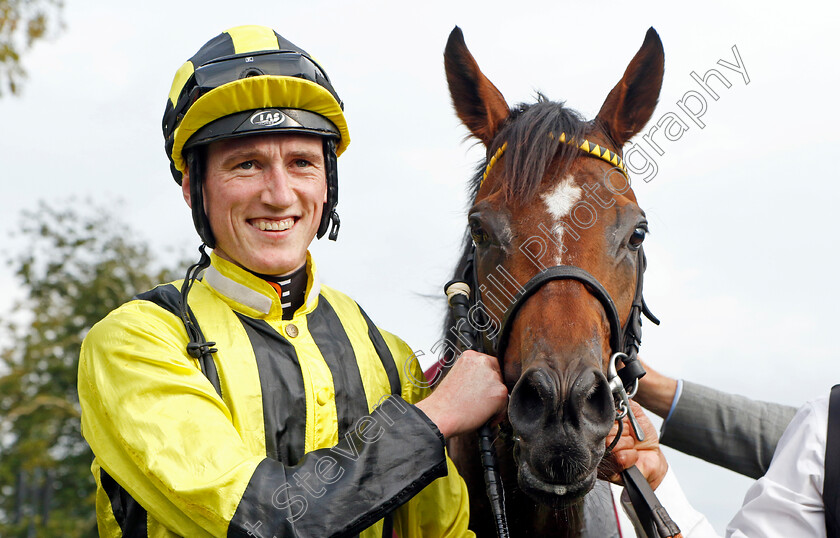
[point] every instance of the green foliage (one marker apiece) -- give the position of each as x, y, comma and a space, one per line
79, 263
22, 23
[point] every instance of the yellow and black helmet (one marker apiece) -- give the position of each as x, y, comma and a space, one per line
250, 80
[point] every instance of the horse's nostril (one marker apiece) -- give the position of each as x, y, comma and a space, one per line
596, 404
529, 401
532, 396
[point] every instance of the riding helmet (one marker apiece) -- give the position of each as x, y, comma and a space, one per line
250, 80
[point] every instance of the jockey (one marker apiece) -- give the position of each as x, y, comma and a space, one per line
249, 399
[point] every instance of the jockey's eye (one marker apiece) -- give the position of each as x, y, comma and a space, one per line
638, 237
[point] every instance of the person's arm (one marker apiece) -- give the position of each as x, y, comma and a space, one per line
732, 431
442, 508
787, 500
657, 392
649, 459
160, 430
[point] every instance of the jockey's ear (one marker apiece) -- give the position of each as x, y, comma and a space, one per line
478, 103
185, 187
630, 104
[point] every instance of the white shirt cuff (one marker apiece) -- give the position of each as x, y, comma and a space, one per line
676, 399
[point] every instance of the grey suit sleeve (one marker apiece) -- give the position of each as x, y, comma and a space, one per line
732, 431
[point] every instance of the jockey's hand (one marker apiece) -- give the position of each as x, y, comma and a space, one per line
471, 394
646, 455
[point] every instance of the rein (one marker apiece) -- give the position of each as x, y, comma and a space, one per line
624, 345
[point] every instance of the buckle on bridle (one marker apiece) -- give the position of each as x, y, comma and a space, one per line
620, 395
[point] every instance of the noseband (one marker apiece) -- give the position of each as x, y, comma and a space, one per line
624, 339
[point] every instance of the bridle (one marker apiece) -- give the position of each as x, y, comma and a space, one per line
625, 340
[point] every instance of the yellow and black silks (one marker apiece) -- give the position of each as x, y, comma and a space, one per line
313, 434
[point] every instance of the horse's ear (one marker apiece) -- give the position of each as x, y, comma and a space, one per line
477, 101
630, 104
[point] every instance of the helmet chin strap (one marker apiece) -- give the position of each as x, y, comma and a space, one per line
196, 161
329, 214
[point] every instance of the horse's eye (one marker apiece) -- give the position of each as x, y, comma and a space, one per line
479, 236
637, 238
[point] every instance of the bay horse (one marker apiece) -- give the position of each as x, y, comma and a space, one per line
540, 200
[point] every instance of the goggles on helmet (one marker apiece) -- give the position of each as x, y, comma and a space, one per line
238, 84
274, 63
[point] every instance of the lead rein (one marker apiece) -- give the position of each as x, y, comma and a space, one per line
458, 296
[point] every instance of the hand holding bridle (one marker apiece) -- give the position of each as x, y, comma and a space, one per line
471, 394
645, 455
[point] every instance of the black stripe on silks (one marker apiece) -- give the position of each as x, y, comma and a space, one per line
331, 338
165, 296
342, 490
384, 354
831, 482
283, 396
221, 45
168, 112
388, 526
130, 516
168, 297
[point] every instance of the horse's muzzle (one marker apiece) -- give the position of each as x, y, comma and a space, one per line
561, 429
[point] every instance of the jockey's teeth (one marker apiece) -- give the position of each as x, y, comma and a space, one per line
274, 225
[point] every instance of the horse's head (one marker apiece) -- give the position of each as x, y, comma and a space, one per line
541, 201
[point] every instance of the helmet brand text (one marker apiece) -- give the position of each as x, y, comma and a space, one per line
268, 118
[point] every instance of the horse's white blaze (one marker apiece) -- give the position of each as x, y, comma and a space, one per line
559, 201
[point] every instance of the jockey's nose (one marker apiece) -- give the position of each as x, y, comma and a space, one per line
277, 189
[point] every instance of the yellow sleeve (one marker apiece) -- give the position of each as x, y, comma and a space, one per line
441, 509
159, 429
157, 425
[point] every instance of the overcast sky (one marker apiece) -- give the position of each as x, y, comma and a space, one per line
742, 254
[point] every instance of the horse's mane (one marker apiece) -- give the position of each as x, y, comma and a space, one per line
532, 133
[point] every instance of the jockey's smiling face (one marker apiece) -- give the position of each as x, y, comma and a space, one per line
264, 195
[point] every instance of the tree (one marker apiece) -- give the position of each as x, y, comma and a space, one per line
22, 24
76, 267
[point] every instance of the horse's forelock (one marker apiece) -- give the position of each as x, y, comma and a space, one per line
532, 135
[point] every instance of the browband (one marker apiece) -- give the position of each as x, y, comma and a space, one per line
592, 149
